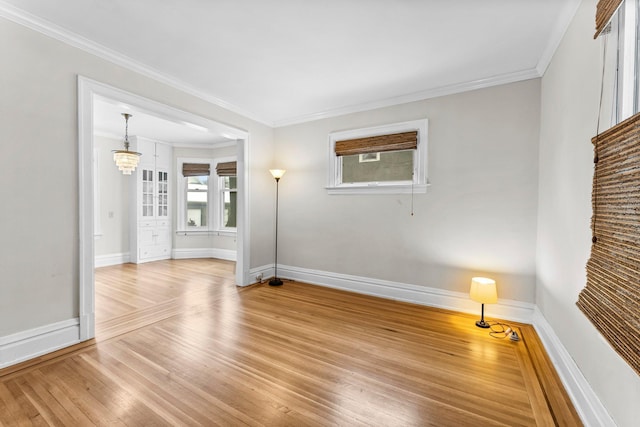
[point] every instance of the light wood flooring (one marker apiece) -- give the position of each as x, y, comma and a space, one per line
178, 344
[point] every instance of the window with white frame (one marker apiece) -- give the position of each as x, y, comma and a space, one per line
206, 195
622, 62
227, 194
382, 159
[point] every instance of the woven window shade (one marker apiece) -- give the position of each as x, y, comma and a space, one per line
195, 169
611, 298
604, 12
377, 144
227, 169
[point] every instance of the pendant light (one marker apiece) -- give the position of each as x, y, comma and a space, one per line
126, 160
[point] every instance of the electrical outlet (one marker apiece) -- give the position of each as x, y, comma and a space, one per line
259, 277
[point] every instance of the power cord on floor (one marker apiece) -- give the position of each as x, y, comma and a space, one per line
503, 330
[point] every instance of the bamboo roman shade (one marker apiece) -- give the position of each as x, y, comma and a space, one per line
227, 169
195, 169
376, 144
611, 298
604, 11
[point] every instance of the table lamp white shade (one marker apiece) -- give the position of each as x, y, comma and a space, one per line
483, 290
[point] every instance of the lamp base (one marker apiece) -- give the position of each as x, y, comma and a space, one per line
275, 282
482, 324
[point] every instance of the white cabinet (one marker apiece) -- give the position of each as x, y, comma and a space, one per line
150, 219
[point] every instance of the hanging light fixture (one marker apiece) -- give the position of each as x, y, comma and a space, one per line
126, 160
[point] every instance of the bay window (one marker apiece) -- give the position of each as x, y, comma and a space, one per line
206, 196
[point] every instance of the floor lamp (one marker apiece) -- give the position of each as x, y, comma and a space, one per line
277, 174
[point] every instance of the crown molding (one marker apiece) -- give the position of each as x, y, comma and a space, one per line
557, 34
52, 30
415, 96
59, 33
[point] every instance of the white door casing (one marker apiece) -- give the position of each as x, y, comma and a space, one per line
88, 89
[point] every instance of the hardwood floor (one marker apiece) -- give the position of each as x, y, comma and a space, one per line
193, 349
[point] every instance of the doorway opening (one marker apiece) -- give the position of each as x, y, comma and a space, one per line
95, 97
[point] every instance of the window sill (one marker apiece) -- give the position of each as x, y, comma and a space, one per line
206, 233
378, 189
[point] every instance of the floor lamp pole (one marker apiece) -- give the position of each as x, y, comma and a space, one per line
277, 174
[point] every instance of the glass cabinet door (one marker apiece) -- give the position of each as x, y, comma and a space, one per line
147, 193
163, 194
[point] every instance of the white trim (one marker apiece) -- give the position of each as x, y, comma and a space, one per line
54, 31
416, 96
226, 254
35, 342
379, 189
243, 219
334, 178
86, 248
267, 271
563, 21
88, 89
213, 145
223, 233
111, 259
97, 222
592, 412
458, 301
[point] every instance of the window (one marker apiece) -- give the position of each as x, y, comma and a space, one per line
227, 184
228, 193
382, 159
206, 201
622, 62
197, 201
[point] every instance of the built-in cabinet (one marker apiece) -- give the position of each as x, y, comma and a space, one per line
150, 208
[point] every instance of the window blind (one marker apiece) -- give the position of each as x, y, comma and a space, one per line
605, 9
611, 297
195, 169
376, 144
227, 169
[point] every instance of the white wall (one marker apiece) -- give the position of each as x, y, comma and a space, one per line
39, 255
113, 194
570, 91
477, 218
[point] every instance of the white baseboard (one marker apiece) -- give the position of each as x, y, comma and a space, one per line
505, 309
35, 342
111, 259
226, 254
591, 410
266, 271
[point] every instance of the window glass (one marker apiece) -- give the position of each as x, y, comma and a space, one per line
378, 167
622, 65
229, 201
197, 201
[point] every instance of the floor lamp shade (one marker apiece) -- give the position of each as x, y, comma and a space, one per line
277, 173
483, 290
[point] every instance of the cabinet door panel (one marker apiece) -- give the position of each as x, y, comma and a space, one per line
151, 231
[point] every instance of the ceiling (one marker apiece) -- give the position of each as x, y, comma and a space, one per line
289, 61
108, 121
